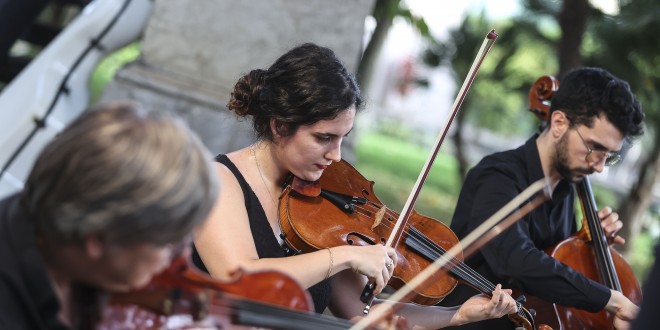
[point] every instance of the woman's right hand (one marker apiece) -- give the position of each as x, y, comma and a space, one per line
376, 262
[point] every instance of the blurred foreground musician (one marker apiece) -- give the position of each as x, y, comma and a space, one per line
105, 207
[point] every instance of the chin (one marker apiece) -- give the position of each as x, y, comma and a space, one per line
126, 286
311, 176
141, 283
577, 178
116, 287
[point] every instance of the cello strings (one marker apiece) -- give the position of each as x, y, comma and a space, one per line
598, 239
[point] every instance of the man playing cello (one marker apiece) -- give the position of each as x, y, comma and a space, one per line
591, 116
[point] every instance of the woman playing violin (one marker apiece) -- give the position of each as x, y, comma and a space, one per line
102, 207
302, 107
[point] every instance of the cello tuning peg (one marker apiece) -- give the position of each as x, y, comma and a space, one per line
532, 312
521, 299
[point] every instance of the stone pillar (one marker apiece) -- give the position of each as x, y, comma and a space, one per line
194, 51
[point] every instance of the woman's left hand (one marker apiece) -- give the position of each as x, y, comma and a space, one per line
481, 307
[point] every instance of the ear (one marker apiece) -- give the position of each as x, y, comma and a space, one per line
559, 123
273, 127
94, 247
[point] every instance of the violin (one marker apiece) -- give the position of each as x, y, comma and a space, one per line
588, 251
182, 297
346, 211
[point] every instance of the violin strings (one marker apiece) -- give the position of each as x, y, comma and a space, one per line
463, 271
497, 222
487, 287
246, 312
459, 265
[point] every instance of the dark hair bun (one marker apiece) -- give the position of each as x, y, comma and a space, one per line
245, 97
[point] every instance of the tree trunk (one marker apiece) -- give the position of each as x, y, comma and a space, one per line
639, 198
384, 16
573, 22
459, 144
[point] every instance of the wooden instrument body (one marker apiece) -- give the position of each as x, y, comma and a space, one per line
579, 255
313, 223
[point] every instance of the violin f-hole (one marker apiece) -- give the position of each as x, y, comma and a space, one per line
361, 237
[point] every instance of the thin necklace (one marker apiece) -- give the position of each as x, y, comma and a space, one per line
256, 160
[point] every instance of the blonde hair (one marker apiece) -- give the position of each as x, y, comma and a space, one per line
125, 173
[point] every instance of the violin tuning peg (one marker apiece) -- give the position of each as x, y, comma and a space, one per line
532, 312
521, 299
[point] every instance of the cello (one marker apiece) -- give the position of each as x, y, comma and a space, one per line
588, 251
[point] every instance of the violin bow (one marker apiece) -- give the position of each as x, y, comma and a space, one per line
367, 295
481, 235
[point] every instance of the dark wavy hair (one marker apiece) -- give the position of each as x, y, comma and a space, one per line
586, 93
305, 85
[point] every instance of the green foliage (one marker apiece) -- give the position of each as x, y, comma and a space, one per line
642, 260
394, 165
498, 96
106, 69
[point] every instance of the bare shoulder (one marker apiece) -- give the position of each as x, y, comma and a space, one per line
230, 184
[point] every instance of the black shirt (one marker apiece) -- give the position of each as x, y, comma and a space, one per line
27, 298
264, 237
515, 258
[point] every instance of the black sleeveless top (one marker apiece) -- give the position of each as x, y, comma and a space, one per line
264, 237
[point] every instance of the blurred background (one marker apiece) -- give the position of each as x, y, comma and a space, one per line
410, 57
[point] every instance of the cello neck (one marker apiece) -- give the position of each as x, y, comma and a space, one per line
604, 261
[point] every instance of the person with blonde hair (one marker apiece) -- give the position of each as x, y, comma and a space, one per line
106, 206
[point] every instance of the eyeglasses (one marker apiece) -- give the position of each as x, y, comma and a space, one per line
596, 156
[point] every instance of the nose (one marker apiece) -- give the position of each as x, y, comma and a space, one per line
598, 166
334, 153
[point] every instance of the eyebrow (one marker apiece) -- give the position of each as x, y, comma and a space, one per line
600, 147
333, 134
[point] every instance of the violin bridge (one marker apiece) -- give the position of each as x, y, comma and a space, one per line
379, 217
